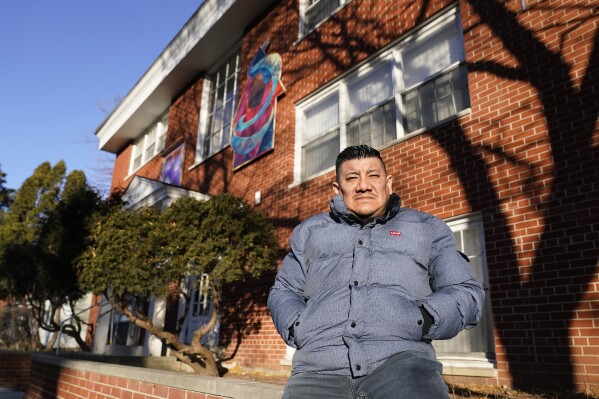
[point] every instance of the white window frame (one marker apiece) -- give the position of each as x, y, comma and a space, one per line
461, 362
393, 56
305, 6
149, 144
205, 111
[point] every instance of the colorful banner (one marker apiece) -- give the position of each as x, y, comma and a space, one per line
255, 117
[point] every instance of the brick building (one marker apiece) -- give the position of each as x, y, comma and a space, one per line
485, 112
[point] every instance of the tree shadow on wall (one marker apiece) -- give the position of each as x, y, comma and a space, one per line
242, 312
340, 42
534, 321
44, 381
215, 173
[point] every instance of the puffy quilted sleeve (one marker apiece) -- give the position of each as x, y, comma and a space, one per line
286, 298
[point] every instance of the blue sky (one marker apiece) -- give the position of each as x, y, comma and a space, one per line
63, 65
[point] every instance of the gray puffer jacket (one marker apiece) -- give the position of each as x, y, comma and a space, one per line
347, 296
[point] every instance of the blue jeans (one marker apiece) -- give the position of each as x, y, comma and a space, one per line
409, 375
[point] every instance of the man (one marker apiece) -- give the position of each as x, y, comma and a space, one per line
366, 288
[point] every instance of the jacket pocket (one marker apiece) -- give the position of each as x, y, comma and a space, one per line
321, 315
299, 328
393, 316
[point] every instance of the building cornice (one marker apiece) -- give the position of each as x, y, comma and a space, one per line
214, 28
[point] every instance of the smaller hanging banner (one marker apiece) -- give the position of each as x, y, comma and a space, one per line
172, 168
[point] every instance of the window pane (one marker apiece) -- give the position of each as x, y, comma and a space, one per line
137, 162
220, 97
223, 98
458, 239
232, 67
138, 152
162, 129
151, 136
149, 152
228, 112
215, 146
375, 128
319, 11
428, 110
217, 120
433, 54
443, 86
195, 302
412, 117
161, 143
320, 154
370, 90
459, 84
365, 130
226, 136
353, 133
389, 123
221, 75
230, 87
206, 147
472, 242
436, 100
321, 117
443, 93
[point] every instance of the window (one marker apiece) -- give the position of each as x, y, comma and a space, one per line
199, 310
149, 143
201, 301
321, 141
315, 11
478, 341
371, 108
434, 77
219, 109
416, 85
122, 330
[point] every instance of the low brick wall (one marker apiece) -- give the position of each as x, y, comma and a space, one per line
15, 368
61, 378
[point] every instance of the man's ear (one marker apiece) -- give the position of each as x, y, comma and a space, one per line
336, 188
389, 184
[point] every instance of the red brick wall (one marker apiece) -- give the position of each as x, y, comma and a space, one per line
525, 157
66, 383
530, 152
80, 380
15, 368
182, 128
121, 169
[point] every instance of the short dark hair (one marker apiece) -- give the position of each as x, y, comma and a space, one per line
357, 152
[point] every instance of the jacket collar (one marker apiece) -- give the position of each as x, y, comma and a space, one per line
339, 211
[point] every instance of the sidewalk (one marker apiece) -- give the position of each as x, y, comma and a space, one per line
6, 393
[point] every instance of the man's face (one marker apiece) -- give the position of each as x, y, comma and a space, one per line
365, 187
